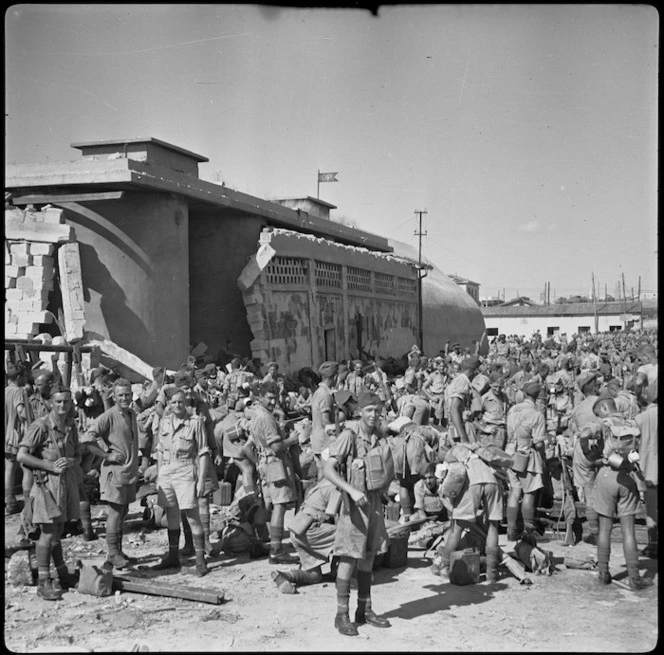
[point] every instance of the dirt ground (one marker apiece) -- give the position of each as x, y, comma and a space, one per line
565, 612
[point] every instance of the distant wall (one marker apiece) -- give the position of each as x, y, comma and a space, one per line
525, 326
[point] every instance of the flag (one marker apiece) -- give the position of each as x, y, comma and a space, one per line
328, 177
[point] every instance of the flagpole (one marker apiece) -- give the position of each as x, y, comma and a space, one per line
318, 185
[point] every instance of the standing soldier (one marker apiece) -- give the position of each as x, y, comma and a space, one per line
279, 484
647, 423
459, 397
114, 437
322, 412
51, 449
360, 465
183, 459
16, 419
355, 380
526, 434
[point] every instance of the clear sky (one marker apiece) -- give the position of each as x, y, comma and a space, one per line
528, 133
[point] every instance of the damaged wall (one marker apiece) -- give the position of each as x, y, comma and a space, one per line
310, 300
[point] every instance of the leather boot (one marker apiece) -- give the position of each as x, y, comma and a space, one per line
46, 591
67, 580
283, 582
370, 617
344, 626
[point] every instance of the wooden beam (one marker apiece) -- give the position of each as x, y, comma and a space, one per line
153, 587
55, 198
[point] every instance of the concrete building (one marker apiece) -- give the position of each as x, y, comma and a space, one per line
470, 287
165, 261
570, 318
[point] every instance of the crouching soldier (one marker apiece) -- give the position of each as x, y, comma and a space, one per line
360, 465
312, 533
51, 450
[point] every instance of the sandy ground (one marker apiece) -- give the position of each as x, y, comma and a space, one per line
565, 612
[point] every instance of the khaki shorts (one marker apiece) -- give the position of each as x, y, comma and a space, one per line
176, 484
486, 496
614, 493
529, 482
112, 492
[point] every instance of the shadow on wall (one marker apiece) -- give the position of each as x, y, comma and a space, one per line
107, 314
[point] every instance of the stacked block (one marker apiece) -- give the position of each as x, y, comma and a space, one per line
29, 270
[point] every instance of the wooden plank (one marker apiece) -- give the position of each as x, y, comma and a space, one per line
54, 198
156, 588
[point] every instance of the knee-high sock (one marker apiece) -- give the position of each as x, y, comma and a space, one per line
363, 591
343, 595
512, 515
43, 555
592, 517
276, 537
301, 577
186, 529
86, 516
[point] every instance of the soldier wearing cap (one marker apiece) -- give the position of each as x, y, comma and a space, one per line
616, 491
322, 412
583, 469
434, 389
458, 398
526, 434
360, 465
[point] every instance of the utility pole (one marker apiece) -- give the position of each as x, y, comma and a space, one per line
639, 292
420, 234
624, 300
595, 304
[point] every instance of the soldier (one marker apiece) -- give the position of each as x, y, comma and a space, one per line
16, 420
322, 411
279, 485
459, 397
647, 423
526, 434
113, 436
51, 449
183, 459
362, 453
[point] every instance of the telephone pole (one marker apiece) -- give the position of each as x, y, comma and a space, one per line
420, 234
595, 304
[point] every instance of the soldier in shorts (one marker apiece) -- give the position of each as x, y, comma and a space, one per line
113, 436
183, 458
51, 448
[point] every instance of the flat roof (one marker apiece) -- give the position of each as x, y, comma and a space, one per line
316, 200
146, 139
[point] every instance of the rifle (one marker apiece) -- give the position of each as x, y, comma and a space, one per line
568, 508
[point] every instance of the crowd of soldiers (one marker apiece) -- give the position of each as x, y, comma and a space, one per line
477, 440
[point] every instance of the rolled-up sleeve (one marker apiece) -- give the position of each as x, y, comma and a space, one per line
342, 446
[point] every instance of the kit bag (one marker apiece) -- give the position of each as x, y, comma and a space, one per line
95, 580
455, 480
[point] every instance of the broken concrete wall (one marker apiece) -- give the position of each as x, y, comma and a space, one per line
308, 303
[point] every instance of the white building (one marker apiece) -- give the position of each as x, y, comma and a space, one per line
571, 318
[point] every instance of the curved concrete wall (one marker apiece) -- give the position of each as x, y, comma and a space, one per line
448, 312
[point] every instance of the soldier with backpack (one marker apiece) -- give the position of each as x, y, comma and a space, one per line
617, 488
360, 465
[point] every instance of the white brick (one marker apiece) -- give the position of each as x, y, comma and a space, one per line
41, 249
42, 260
35, 317
11, 329
10, 282
19, 248
12, 271
52, 215
21, 260
13, 295
25, 283
27, 328
39, 272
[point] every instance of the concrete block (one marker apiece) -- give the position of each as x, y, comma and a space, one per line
52, 215
25, 283
35, 317
39, 272
12, 271
27, 329
21, 260
43, 260
21, 248
10, 282
11, 329
258, 344
13, 295
42, 232
73, 303
42, 249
